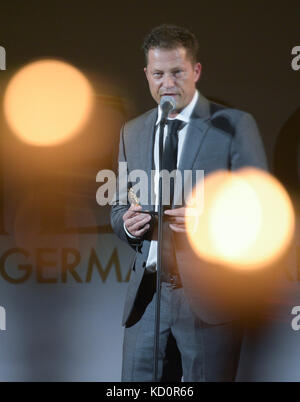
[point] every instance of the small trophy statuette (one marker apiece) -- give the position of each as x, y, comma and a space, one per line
133, 199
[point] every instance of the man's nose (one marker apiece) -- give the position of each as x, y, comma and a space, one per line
168, 81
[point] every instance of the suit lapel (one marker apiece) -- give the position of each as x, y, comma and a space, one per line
195, 136
197, 130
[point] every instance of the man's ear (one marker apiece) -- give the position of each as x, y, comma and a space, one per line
197, 71
146, 73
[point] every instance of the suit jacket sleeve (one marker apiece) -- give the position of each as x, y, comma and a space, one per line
246, 146
118, 209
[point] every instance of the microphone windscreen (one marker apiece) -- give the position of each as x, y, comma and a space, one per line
167, 103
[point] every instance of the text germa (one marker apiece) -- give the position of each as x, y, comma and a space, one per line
53, 265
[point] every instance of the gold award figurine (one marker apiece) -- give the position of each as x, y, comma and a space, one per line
133, 199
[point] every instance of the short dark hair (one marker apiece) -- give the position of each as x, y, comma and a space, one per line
170, 37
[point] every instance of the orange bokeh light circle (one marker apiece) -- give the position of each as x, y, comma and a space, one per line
47, 102
247, 220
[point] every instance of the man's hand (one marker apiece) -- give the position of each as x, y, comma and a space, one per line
136, 223
177, 216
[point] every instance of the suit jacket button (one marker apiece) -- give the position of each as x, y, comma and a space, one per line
144, 264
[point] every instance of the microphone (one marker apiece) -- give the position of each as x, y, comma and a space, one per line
167, 104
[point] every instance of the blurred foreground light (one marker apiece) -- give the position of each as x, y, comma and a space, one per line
47, 102
247, 222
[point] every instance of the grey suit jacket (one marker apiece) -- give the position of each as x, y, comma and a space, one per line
218, 138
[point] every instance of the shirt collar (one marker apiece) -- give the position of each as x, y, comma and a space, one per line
185, 114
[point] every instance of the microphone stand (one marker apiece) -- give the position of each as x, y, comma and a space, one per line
159, 254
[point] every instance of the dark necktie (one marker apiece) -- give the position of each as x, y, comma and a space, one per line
169, 163
170, 154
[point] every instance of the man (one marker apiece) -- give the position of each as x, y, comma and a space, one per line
195, 342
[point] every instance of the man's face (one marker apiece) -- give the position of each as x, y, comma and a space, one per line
171, 72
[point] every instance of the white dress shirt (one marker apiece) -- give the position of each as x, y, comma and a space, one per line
184, 115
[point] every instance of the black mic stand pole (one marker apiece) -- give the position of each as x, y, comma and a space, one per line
159, 253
